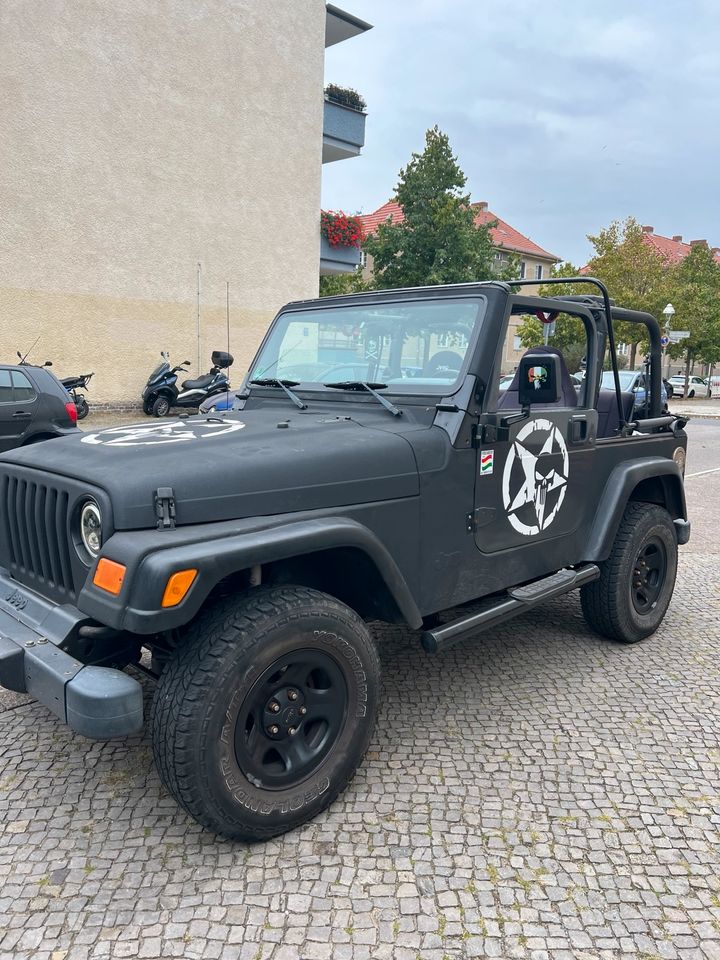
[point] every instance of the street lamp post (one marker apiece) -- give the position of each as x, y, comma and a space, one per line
668, 313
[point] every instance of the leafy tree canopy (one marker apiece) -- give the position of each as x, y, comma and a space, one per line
340, 283
438, 240
695, 293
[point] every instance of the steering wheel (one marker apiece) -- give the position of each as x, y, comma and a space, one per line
445, 361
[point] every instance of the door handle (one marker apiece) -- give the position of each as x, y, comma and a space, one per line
21, 415
578, 429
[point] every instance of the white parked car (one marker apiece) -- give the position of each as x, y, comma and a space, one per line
697, 387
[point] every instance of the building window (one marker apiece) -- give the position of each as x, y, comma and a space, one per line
517, 343
538, 272
522, 269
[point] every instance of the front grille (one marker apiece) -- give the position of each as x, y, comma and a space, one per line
36, 548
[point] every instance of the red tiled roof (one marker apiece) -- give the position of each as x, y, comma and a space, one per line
503, 235
672, 249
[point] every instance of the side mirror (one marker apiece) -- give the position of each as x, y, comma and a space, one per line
186, 363
19, 354
48, 363
539, 379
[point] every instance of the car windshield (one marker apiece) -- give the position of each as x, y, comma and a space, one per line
413, 347
626, 379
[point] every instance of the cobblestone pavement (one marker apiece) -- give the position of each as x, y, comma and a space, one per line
541, 794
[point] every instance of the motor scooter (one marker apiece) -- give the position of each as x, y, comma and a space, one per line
73, 385
161, 392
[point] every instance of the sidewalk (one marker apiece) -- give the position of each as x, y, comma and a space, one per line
704, 407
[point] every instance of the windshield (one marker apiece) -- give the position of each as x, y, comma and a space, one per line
626, 379
417, 347
160, 368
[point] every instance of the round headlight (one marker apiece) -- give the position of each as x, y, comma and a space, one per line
91, 528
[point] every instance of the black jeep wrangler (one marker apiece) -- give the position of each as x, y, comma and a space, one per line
374, 471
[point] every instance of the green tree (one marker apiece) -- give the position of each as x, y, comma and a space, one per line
635, 274
333, 286
695, 294
568, 333
438, 240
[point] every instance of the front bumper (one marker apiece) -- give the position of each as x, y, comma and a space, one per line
97, 702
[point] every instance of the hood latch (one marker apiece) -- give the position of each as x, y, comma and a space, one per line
165, 508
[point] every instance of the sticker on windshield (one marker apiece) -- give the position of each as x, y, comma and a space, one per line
487, 462
176, 431
535, 477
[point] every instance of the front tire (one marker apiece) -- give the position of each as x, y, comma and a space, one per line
265, 711
161, 407
629, 601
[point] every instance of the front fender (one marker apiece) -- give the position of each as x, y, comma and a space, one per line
218, 550
662, 479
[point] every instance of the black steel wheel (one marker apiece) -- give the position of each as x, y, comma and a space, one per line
629, 601
291, 718
263, 713
649, 575
160, 407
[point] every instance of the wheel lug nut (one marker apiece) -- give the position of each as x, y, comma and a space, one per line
292, 695
274, 729
303, 711
292, 731
274, 707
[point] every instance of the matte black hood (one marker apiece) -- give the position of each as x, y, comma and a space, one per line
240, 465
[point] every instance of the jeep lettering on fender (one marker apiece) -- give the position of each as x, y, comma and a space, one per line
377, 466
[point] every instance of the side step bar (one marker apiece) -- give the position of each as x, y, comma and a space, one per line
516, 600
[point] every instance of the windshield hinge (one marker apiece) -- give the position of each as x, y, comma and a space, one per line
165, 508
489, 433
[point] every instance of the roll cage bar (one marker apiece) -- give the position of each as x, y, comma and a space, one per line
605, 304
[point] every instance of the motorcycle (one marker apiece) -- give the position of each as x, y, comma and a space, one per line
161, 392
75, 384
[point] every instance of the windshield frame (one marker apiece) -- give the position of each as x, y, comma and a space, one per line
422, 391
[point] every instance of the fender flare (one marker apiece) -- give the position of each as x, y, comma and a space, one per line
620, 486
152, 556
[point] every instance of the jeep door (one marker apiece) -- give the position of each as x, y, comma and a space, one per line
535, 479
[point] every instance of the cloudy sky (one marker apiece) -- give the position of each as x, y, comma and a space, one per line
563, 115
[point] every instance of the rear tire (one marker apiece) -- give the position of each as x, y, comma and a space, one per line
82, 408
691, 395
160, 407
263, 713
629, 601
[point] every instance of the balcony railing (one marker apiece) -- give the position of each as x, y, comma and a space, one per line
335, 260
343, 131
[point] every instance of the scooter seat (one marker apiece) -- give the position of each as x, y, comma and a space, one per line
200, 383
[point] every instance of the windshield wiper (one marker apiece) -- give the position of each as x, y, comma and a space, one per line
284, 385
370, 388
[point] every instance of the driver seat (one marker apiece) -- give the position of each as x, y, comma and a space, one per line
200, 383
568, 395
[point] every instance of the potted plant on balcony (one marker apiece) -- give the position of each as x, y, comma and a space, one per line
340, 230
346, 97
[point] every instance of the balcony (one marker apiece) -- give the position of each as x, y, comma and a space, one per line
334, 260
343, 131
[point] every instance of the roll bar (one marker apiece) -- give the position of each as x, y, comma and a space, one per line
611, 312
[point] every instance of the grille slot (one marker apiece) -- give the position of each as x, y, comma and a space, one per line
35, 532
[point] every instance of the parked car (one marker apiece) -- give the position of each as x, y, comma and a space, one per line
633, 381
34, 406
696, 387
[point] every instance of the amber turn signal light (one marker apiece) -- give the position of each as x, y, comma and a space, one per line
177, 587
109, 575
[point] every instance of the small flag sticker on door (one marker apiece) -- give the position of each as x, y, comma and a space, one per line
487, 460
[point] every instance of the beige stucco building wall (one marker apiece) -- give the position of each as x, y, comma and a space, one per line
137, 140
